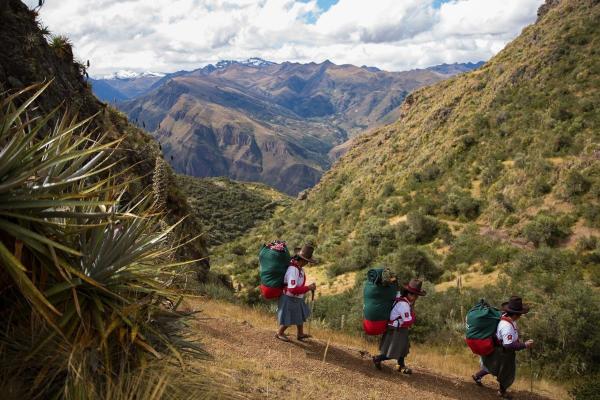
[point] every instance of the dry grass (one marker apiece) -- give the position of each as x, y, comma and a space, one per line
446, 361
472, 279
330, 286
580, 231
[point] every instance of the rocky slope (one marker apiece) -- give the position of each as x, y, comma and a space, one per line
26, 57
268, 122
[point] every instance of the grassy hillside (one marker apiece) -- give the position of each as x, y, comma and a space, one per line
227, 209
492, 174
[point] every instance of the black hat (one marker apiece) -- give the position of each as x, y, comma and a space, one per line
515, 305
414, 286
306, 253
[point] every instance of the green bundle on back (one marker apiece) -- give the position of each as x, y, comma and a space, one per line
481, 324
379, 294
273, 259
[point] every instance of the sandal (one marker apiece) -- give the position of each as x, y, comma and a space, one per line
404, 370
302, 337
377, 363
283, 338
477, 380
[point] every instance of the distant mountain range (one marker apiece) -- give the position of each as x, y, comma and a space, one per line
256, 120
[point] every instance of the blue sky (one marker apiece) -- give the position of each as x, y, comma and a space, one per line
169, 35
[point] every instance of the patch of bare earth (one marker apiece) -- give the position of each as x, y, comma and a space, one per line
330, 366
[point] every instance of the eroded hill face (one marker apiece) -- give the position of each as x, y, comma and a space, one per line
273, 123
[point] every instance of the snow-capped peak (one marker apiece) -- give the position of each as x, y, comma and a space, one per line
250, 62
128, 74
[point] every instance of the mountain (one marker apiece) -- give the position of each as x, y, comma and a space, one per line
105, 91
487, 185
26, 58
456, 68
256, 120
129, 84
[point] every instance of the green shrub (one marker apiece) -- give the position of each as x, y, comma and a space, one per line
459, 203
588, 390
546, 230
388, 190
575, 184
587, 243
591, 213
422, 227
595, 274
411, 261
490, 172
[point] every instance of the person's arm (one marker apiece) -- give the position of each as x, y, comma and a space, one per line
401, 316
292, 286
517, 346
407, 317
508, 338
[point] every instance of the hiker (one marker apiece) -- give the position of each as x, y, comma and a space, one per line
291, 308
394, 343
502, 362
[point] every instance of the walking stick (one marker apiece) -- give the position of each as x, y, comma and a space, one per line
531, 370
312, 307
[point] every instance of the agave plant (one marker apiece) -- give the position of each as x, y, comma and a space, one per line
62, 46
81, 270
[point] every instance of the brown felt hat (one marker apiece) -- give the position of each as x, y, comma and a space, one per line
414, 286
515, 305
306, 253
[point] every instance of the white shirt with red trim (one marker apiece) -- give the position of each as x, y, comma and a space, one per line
402, 315
294, 278
507, 332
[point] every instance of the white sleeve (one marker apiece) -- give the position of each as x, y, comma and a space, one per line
400, 313
292, 277
506, 333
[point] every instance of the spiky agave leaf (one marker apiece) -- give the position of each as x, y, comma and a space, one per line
86, 263
39, 171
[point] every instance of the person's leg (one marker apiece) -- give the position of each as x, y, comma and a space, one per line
402, 367
377, 360
281, 333
483, 371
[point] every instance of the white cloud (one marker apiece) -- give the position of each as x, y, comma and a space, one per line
168, 35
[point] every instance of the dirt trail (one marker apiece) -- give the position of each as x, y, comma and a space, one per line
263, 367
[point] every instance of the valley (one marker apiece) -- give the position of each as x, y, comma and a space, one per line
279, 124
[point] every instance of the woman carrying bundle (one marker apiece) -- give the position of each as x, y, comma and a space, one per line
291, 309
394, 343
502, 363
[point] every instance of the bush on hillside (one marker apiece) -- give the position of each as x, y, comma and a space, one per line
470, 247
490, 172
591, 212
459, 203
410, 261
588, 390
546, 230
575, 184
422, 227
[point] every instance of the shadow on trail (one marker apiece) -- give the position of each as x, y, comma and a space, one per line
360, 362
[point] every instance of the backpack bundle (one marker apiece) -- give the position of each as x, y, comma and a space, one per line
273, 259
378, 296
481, 324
